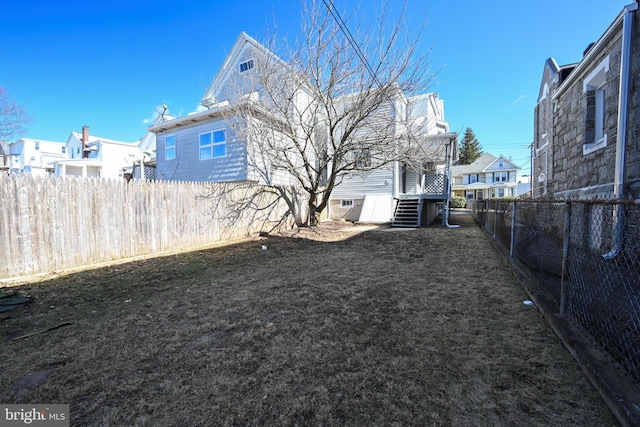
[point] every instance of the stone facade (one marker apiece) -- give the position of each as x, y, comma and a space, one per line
576, 121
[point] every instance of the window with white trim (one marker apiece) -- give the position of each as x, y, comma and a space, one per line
594, 88
170, 147
346, 203
213, 144
501, 177
246, 65
473, 178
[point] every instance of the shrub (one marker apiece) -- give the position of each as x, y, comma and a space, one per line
458, 202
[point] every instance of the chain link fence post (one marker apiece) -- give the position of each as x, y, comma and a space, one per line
565, 257
512, 248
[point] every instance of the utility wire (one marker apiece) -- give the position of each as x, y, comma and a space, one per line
352, 41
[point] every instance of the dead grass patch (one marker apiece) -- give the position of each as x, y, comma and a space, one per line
326, 327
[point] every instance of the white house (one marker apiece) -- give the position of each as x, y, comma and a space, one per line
35, 156
401, 193
202, 146
486, 178
93, 156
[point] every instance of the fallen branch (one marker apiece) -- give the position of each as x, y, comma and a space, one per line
42, 331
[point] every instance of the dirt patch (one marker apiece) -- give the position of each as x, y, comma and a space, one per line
330, 326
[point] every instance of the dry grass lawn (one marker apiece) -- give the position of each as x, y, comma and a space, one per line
339, 325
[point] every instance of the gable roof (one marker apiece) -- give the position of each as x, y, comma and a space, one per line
243, 40
507, 165
478, 166
485, 163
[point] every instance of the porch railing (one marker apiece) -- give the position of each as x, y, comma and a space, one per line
435, 184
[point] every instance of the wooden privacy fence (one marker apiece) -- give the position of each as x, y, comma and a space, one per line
49, 224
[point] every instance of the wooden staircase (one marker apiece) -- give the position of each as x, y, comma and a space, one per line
407, 213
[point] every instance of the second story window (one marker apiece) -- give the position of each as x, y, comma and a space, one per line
213, 144
501, 177
246, 65
64, 149
37, 145
170, 147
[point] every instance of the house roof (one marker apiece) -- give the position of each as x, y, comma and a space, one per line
478, 166
97, 139
218, 80
484, 163
614, 29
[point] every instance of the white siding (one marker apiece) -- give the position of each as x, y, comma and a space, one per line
358, 185
187, 165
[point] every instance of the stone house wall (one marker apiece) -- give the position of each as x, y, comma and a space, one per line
573, 170
567, 119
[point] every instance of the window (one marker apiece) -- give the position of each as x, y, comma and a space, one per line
346, 203
213, 144
473, 179
246, 66
501, 177
594, 88
500, 163
37, 145
64, 149
500, 192
363, 159
170, 147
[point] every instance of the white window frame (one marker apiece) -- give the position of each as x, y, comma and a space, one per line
246, 65
596, 80
213, 144
498, 177
346, 203
473, 178
170, 150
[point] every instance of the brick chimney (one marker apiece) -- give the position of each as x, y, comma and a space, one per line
85, 141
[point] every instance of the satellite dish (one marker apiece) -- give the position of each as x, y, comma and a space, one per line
162, 110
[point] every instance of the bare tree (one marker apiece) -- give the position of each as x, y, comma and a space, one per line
13, 118
335, 102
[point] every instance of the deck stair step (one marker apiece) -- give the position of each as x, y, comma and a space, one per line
407, 213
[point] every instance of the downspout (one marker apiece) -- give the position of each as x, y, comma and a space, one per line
620, 180
449, 157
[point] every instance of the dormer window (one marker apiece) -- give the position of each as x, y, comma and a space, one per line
246, 65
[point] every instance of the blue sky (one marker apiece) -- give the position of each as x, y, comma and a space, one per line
107, 64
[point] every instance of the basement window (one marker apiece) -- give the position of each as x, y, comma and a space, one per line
346, 203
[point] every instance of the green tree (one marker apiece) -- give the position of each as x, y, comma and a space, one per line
469, 148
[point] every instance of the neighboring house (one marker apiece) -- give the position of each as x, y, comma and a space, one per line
524, 186
586, 119
35, 156
202, 147
486, 178
4, 158
92, 156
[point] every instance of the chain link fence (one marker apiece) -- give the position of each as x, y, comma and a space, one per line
583, 257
